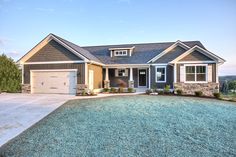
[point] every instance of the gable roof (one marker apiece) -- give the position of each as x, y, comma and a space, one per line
141, 55
78, 51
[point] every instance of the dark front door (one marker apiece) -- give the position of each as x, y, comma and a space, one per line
142, 75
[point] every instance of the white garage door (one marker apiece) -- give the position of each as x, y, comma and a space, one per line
54, 81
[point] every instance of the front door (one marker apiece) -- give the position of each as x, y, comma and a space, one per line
142, 75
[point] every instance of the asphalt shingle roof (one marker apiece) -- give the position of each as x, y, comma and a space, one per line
141, 55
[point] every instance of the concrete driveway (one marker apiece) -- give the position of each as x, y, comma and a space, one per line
20, 111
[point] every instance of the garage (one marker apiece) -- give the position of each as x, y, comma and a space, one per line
54, 81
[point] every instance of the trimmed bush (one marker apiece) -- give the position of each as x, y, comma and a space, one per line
179, 91
198, 93
106, 90
160, 92
167, 89
149, 91
216, 95
121, 90
130, 90
83, 93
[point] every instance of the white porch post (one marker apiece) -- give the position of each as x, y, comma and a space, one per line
107, 81
175, 68
106, 75
131, 80
149, 77
131, 75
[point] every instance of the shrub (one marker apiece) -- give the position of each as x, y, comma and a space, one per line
92, 93
106, 90
198, 93
161, 92
179, 91
167, 89
149, 91
121, 89
216, 95
130, 90
10, 75
83, 93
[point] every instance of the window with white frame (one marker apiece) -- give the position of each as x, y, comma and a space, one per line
121, 72
160, 73
120, 52
195, 73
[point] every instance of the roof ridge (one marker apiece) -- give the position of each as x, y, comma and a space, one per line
168, 42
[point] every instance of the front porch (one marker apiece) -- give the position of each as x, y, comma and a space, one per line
137, 77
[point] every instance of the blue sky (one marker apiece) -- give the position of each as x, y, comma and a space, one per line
24, 23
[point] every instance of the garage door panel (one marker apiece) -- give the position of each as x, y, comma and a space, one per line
54, 82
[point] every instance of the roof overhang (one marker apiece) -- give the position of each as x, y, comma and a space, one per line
41, 44
122, 48
177, 43
209, 54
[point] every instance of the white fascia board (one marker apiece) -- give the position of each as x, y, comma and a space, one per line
55, 62
177, 43
97, 63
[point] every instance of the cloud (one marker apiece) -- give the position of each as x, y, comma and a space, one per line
13, 54
45, 9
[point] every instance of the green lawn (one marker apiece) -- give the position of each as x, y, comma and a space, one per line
230, 96
132, 126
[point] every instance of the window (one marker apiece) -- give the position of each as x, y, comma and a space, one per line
121, 72
160, 73
120, 52
195, 73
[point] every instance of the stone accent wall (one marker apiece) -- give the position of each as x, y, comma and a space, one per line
189, 88
25, 88
106, 84
131, 84
80, 88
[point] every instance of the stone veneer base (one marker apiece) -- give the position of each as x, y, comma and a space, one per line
189, 88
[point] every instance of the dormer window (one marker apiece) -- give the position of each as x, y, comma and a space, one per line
120, 53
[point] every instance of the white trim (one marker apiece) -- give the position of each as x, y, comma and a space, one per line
54, 70
201, 50
86, 73
94, 62
126, 65
175, 71
177, 43
195, 62
206, 66
217, 77
122, 48
158, 66
149, 77
123, 52
55, 62
45, 41
22, 74
146, 77
131, 74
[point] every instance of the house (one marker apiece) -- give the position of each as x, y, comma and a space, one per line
56, 65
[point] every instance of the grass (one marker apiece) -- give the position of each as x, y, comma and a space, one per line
132, 126
230, 96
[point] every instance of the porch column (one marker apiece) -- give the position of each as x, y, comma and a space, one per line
175, 68
106, 81
131, 80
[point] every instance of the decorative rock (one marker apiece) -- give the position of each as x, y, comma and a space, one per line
25, 88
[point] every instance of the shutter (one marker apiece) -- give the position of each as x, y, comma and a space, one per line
116, 72
209, 73
126, 72
181, 73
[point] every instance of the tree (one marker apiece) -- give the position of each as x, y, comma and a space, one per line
232, 85
225, 87
10, 75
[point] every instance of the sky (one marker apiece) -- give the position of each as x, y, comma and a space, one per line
24, 23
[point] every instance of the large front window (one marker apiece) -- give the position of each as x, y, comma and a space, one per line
195, 73
160, 73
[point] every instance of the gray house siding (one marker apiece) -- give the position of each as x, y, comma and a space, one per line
196, 56
53, 51
169, 77
80, 67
